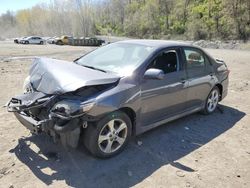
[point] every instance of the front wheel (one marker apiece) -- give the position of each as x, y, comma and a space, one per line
212, 101
59, 42
41, 42
108, 137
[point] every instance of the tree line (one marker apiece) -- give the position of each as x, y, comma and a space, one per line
178, 19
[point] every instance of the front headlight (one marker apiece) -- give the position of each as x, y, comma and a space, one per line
27, 87
71, 108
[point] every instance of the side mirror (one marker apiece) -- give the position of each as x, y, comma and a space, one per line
156, 74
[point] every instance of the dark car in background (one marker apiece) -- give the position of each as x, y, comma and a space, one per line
117, 91
91, 41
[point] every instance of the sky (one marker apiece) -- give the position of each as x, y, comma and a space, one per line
14, 5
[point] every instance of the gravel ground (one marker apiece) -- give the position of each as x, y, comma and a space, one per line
195, 151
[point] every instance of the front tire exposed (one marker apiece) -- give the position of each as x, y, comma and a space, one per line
212, 101
108, 136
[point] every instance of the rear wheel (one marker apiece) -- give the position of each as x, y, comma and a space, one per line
108, 136
26, 42
41, 42
212, 101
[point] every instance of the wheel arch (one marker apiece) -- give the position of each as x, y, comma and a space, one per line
132, 115
220, 89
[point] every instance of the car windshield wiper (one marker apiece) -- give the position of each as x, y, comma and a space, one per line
93, 68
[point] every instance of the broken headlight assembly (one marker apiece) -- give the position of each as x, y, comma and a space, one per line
27, 87
67, 109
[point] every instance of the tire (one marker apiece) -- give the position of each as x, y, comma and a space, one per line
212, 101
59, 42
26, 42
41, 42
103, 138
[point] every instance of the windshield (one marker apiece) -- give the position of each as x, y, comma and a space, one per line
121, 58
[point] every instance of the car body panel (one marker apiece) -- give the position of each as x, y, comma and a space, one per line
32, 40
52, 76
198, 89
163, 98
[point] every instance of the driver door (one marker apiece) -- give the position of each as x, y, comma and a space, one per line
161, 99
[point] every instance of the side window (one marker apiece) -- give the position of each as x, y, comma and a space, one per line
194, 59
195, 62
166, 61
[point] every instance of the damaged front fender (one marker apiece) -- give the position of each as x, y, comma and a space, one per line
58, 115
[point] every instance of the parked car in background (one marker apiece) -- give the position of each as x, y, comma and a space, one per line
51, 40
17, 40
91, 41
63, 40
119, 90
32, 40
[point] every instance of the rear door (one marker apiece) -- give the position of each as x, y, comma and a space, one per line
200, 74
38, 40
164, 98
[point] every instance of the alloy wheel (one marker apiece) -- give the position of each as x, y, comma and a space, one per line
112, 136
213, 100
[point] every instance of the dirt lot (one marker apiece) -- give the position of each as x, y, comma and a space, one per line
195, 151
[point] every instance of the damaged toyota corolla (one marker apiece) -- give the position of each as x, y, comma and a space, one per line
117, 91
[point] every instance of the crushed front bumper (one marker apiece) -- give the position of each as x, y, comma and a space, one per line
22, 104
69, 133
53, 122
33, 111
31, 124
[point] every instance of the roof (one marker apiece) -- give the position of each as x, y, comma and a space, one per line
156, 43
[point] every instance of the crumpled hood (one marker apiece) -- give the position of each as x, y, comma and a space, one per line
53, 76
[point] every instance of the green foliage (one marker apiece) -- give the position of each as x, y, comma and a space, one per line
190, 19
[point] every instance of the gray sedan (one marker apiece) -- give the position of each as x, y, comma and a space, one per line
117, 91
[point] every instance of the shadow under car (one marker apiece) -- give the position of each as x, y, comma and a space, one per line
161, 146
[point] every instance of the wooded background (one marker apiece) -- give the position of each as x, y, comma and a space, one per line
167, 19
